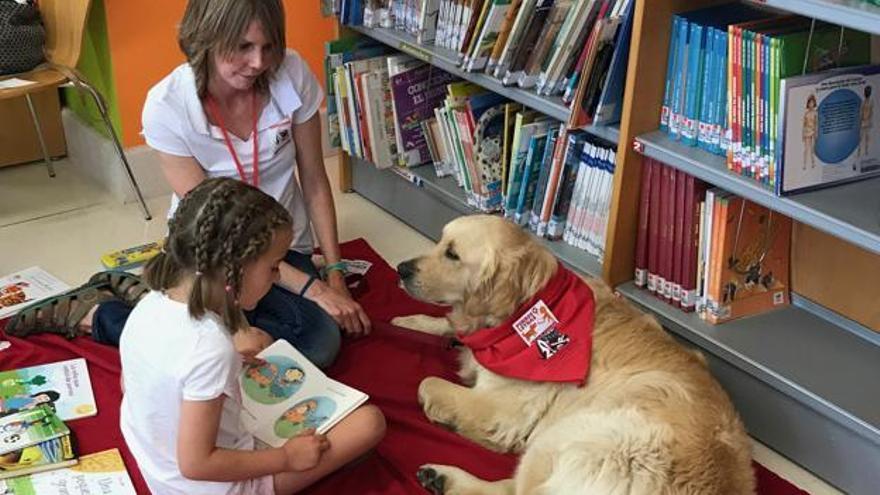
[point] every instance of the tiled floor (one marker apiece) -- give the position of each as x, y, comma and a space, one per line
64, 224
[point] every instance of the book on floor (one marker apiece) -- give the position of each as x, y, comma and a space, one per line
30, 427
25, 287
102, 472
286, 394
64, 386
51, 454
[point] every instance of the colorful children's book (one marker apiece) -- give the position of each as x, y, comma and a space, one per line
64, 386
29, 427
102, 472
754, 260
27, 286
44, 456
830, 128
286, 394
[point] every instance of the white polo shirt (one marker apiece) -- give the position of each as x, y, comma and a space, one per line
174, 122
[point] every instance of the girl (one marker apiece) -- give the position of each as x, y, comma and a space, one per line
181, 408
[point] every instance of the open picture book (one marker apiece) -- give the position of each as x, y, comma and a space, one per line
20, 289
286, 395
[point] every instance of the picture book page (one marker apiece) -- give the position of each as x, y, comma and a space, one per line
286, 394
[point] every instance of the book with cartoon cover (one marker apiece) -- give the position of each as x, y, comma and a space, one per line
64, 386
25, 287
285, 394
44, 456
30, 427
101, 472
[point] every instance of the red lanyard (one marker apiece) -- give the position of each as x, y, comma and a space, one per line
215, 113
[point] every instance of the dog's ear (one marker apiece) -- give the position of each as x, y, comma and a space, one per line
506, 279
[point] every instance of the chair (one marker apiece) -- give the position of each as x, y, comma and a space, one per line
65, 22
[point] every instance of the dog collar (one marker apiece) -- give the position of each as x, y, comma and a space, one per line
548, 339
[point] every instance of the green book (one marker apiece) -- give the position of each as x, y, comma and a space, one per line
29, 427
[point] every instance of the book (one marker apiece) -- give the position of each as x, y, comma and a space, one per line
44, 456
30, 427
64, 386
124, 259
286, 394
22, 288
829, 128
102, 472
754, 261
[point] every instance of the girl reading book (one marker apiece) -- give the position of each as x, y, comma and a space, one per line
182, 403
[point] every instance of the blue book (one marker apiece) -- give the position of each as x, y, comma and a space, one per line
676, 112
567, 180
610, 106
671, 60
693, 83
537, 143
720, 138
704, 127
543, 176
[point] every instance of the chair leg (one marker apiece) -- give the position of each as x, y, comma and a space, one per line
39, 129
102, 108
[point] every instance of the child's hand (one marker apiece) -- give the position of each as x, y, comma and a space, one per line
250, 341
304, 451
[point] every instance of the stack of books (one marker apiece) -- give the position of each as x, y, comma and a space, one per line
731, 71
706, 250
34, 440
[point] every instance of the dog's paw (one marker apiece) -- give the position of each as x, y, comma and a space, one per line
433, 400
448, 480
431, 479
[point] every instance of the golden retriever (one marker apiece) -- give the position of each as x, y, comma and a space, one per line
651, 419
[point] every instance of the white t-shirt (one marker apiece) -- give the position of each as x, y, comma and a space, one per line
175, 123
168, 357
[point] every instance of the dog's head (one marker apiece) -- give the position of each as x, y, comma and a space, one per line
483, 266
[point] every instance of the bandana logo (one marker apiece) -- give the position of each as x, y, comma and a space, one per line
550, 342
534, 322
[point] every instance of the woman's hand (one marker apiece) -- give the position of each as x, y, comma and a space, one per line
251, 341
304, 451
338, 303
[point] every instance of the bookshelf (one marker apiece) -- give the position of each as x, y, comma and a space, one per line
849, 211
803, 377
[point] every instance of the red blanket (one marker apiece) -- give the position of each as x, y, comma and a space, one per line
388, 365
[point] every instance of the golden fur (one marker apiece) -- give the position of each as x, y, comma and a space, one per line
651, 419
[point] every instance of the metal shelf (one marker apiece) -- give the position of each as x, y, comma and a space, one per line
449, 61
849, 211
855, 14
792, 349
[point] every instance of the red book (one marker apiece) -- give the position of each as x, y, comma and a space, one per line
694, 192
641, 274
663, 271
654, 226
678, 236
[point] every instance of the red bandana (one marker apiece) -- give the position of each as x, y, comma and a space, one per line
548, 339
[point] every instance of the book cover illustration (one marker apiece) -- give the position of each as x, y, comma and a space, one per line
51, 454
830, 128
29, 427
754, 275
102, 472
27, 286
64, 386
285, 395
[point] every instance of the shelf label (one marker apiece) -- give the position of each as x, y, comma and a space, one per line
415, 51
408, 176
638, 146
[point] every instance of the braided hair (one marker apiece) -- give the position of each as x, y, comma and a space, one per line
218, 227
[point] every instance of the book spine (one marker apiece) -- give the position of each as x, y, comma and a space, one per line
641, 258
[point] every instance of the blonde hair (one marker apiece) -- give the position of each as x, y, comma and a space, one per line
218, 227
216, 27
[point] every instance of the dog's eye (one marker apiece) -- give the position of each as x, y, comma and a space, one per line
451, 254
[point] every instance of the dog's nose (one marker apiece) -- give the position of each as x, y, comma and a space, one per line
406, 269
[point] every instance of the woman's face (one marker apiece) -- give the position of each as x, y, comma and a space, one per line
240, 68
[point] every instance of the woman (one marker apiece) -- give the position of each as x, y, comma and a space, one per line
245, 107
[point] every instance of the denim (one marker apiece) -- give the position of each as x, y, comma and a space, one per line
281, 313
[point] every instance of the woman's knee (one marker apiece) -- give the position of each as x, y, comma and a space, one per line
325, 345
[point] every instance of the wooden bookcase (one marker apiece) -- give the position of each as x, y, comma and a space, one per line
805, 378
